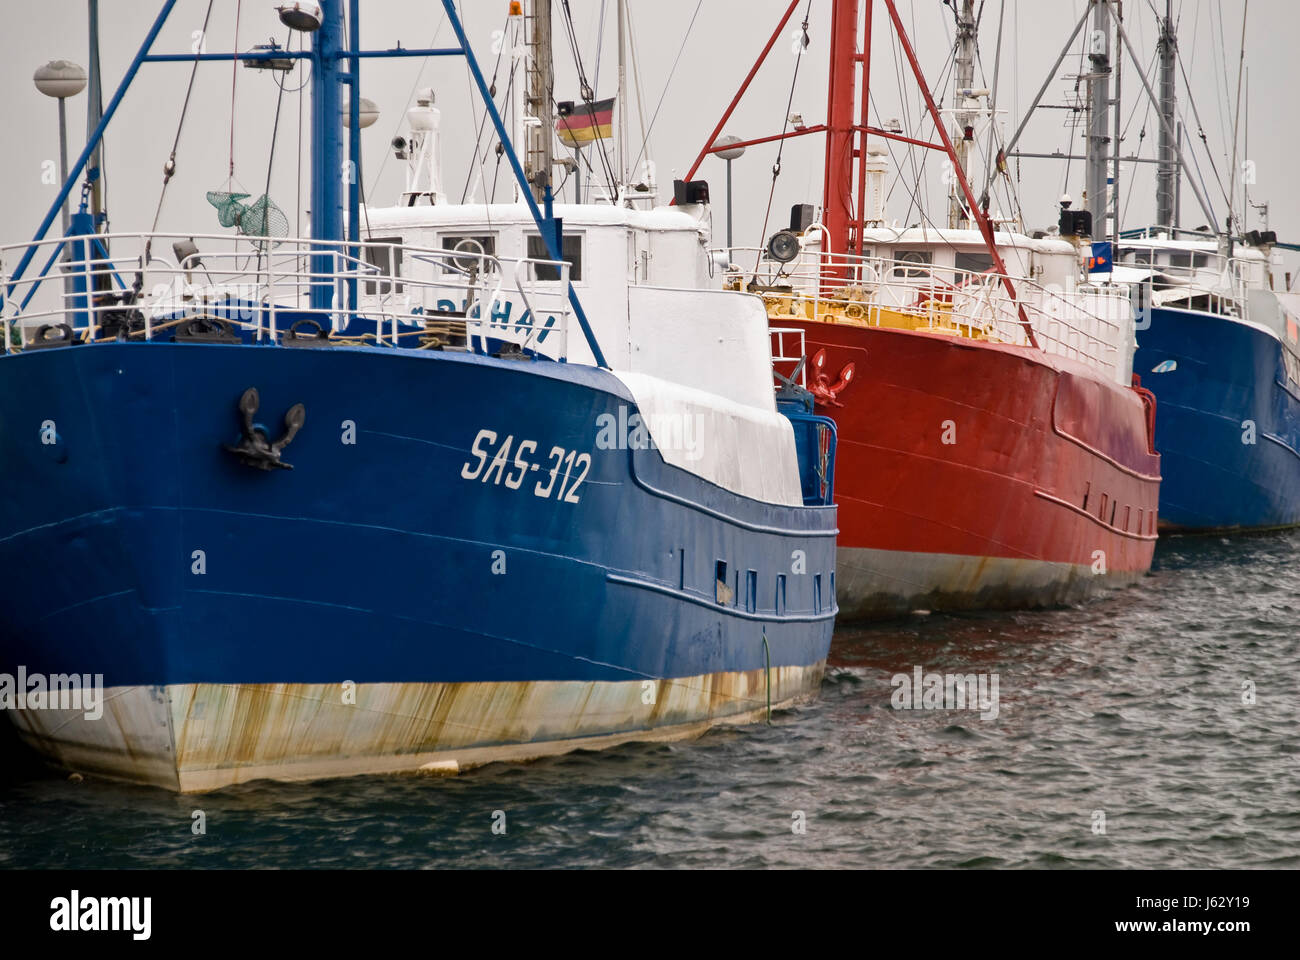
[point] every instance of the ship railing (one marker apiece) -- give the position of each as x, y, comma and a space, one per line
143, 285
838, 288
1223, 281
788, 339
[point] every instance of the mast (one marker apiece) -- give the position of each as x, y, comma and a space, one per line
95, 112
1167, 173
1098, 162
327, 145
838, 186
963, 118
538, 145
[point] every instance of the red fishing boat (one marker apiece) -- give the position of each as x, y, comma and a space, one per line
995, 448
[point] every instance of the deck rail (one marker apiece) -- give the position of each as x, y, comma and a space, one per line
371, 292
1090, 323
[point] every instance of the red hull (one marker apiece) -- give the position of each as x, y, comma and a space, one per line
1046, 492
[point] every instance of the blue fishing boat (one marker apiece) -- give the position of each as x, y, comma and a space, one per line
1218, 339
475, 482
1222, 355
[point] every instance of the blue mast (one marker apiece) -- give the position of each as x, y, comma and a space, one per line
327, 170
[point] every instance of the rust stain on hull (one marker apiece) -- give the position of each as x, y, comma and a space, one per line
198, 737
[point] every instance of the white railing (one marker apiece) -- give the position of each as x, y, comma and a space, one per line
779, 354
1092, 324
140, 285
1223, 281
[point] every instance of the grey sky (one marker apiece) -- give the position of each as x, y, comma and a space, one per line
720, 48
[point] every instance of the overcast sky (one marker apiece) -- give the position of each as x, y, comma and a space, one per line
687, 79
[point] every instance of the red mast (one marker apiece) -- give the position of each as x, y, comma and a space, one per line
841, 132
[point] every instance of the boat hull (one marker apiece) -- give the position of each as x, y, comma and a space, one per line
1228, 430
406, 594
973, 475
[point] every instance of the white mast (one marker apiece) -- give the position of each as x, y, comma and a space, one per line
964, 100
538, 145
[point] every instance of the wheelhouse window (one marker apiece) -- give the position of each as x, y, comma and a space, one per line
974, 262
572, 254
913, 263
473, 246
1188, 259
388, 261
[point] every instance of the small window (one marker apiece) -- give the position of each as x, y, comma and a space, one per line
473, 245
1087, 491
780, 594
817, 593
751, 591
922, 258
388, 260
1128, 515
1113, 507
974, 262
1105, 500
723, 592
572, 254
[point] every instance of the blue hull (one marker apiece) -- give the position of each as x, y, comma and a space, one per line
1230, 386
407, 557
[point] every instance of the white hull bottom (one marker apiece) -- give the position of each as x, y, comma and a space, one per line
883, 583
196, 737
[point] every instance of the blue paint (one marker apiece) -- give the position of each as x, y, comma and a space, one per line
326, 146
371, 562
1217, 376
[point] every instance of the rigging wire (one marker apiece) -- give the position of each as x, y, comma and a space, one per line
397, 128
587, 91
169, 168
785, 124
478, 136
667, 83
234, 78
270, 165
1236, 121
636, 80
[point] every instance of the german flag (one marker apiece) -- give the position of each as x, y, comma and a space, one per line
579, 124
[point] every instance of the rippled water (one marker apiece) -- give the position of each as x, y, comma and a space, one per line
1130, 705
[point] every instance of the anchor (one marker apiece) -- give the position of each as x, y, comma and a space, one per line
256, 448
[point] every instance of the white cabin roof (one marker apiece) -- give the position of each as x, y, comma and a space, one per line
660, 219
931, 236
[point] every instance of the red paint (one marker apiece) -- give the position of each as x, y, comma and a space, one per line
841, 104
1034, 435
